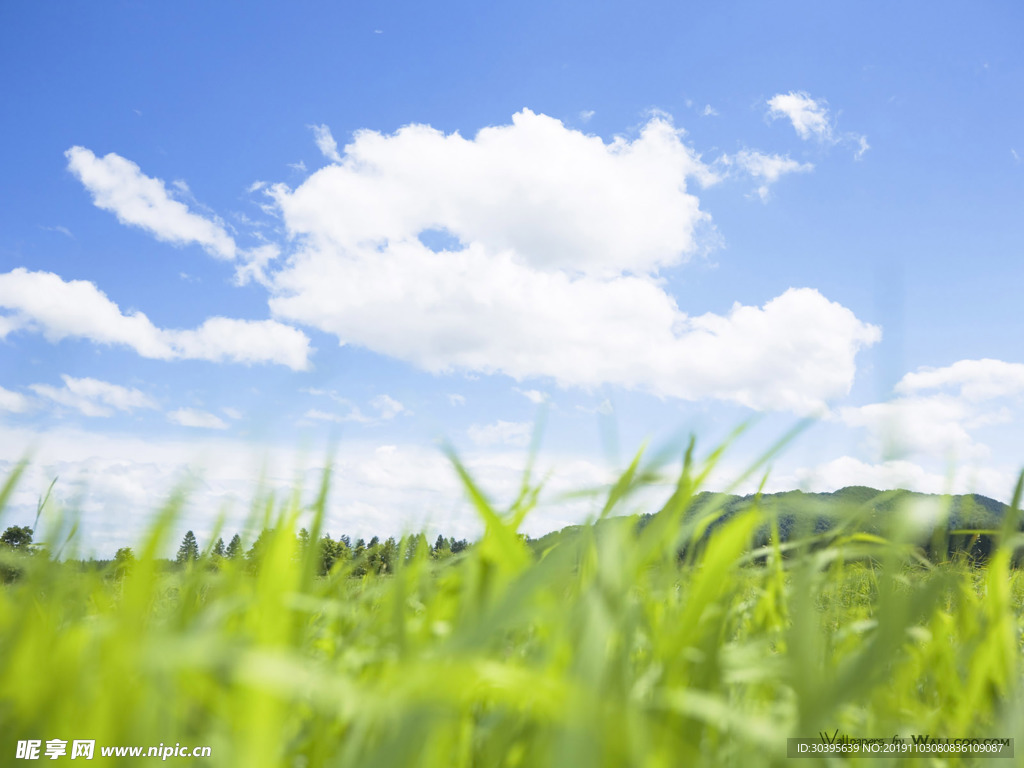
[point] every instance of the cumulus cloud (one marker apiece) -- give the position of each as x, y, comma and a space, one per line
810, 119
766, 168
387, 407
59, 309
325, 143
13, 402
556, 242
511, 433
92, 397
938, 410
555, 197
190, 417
118, 185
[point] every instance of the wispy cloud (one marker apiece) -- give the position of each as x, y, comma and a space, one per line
767, 169
190, 417
118, 185
811, 119
325, 142
92, 397
512, 433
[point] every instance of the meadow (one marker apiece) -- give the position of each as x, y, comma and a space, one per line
693, 639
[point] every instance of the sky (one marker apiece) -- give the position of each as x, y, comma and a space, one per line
236, 247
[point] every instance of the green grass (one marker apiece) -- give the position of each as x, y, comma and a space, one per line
603, 648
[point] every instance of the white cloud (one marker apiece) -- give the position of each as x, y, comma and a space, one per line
512, 433
810, 119
325, 143
604, 408
116, 481
232, 413
8, 323
902, 474
190, 417
353, 415
766, 168
13, 402
118, 185
709, 111
555, 197
938, 410
61, 229
387, 407
563, 236
533, 395
92, 397
586, 114
934, 426
974, 379
61, 309
456, 399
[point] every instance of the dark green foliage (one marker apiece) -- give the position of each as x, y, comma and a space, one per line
234, 549
188, 552
18, 538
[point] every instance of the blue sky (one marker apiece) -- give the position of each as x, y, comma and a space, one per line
227, 239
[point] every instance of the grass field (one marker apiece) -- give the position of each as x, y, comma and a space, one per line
604, 647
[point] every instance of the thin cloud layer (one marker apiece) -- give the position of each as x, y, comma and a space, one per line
190, 417
92, 397
77, 309
554, 243
14, 402
767, 169
118, 185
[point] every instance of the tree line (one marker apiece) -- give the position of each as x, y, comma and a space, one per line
373, 556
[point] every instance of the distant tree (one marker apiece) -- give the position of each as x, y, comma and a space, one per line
188, 552
234, 547
414, 544
332, 552
388, 555
373, 542
442, 548
219, 549
17, 538
124, 559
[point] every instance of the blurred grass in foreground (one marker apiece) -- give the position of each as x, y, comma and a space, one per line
606, 648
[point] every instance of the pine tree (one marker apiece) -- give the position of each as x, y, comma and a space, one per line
234, 547
218, 548
188, 552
